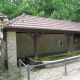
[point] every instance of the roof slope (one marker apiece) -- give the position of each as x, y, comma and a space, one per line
34, 22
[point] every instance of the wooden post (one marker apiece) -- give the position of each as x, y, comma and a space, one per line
68, 39
35, 46
68, 43
35, 38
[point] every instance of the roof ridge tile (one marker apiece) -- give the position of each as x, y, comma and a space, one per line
15, 19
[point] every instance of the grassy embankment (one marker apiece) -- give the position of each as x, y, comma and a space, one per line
58, 56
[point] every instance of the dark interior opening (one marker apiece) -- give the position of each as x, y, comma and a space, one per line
24, 60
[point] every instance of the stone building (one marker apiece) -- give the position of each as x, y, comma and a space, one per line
28, 35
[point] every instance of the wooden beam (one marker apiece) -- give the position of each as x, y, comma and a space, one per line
35, 45
68, 44
68, 35
31, 35
39, 30
35, 37
39, 35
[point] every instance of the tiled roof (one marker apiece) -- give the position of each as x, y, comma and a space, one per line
34, 22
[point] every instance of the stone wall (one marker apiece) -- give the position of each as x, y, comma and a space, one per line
47, 43
2, 23
58, 64
25, 45
12, 49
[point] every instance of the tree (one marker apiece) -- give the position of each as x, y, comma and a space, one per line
59, 9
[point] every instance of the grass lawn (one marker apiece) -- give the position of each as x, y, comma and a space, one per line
59, 56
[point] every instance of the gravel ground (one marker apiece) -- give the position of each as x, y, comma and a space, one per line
50, 74
71, 76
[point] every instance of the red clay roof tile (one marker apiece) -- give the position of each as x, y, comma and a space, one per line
34, 22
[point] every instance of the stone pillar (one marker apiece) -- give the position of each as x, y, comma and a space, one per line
12, 50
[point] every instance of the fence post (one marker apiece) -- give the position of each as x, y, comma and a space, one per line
28, 71
65, 68
20, 67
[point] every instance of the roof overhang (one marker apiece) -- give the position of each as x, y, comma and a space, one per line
28, 23
39, 30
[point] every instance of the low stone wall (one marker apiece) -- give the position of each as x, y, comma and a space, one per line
58, 64
34, 62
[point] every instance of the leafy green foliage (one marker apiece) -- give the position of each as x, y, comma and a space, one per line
59, 9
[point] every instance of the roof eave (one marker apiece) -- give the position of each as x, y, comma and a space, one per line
46, 29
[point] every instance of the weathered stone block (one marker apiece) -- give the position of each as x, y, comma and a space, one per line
12, 49
11, 34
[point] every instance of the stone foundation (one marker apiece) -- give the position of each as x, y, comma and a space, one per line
58, 64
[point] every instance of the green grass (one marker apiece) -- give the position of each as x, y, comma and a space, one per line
8, 75
59, 56
14, 77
